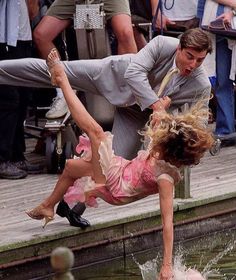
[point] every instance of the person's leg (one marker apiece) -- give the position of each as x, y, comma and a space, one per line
127, 122
9, 113
119, 14
225, 120
89, 126
9, 102
122, 28
73, 170
58, 18
140, 40
46, 31
80, 115
22, 50
9, 117
33, 72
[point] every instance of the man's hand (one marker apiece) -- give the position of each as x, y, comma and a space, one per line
164, 23
161, 105
166, 272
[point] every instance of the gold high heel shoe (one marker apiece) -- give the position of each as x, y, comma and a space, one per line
47, 220
39, 213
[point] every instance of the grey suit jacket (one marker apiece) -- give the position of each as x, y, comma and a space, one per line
128, 79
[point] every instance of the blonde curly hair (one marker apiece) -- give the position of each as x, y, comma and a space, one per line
180, 139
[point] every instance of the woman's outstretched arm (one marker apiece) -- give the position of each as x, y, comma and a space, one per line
166, 205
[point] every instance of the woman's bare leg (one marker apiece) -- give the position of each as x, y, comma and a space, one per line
73, 170
82, 118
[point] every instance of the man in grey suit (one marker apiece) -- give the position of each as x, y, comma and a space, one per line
130, 81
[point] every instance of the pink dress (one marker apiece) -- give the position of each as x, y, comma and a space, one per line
126, 180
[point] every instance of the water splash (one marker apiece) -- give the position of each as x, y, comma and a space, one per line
207, 269
150, 269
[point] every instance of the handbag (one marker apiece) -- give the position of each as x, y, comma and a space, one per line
218, 27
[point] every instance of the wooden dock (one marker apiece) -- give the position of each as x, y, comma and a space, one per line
213, 191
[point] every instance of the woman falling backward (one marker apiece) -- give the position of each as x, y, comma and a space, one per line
175, 142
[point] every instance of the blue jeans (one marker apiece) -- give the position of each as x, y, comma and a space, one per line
224, 91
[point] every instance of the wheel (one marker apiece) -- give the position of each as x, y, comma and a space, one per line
51, 154
215, 149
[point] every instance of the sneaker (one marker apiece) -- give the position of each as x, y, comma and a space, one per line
58, 108
30, 168
10, 171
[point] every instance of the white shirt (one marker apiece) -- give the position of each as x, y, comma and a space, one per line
180, 9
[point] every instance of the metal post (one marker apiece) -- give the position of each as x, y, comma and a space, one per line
182, 190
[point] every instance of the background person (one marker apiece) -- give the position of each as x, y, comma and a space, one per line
60, 16
177, 16
221, 64
15, 42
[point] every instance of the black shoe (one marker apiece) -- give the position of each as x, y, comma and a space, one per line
72, 215
76, 220
63, 209
10, 171
30, 168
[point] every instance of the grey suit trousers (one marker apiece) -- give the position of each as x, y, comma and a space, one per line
81, 75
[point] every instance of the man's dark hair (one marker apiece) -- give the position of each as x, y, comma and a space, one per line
197, 39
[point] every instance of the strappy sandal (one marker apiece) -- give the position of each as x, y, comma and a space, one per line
49, 61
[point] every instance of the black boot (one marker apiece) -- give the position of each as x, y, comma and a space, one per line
73, 215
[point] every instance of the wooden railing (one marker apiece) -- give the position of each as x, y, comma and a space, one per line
182, 190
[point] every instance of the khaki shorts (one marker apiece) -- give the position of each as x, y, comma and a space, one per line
65, 9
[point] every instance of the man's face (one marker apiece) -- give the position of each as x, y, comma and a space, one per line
188, 59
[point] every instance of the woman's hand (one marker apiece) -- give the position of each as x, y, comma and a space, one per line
166, 272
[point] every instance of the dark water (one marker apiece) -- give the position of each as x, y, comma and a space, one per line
213, 255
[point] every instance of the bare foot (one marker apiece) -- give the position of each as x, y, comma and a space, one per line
55, 67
